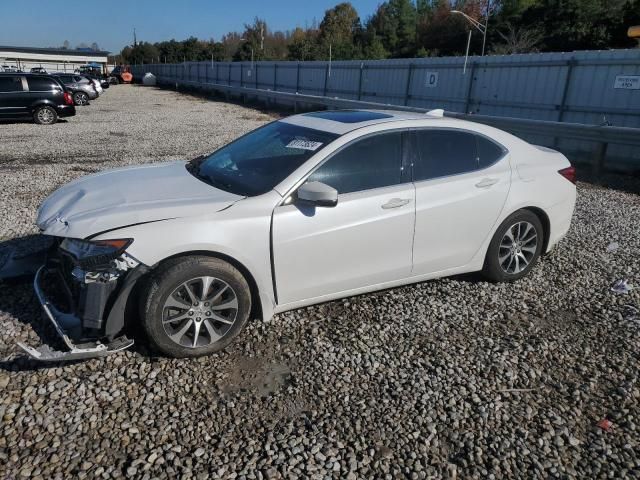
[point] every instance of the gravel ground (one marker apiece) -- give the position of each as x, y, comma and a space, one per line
449, 378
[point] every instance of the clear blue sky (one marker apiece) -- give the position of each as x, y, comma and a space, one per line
48, 23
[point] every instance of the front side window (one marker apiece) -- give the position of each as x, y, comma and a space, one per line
10, 84
372, 162
260, 160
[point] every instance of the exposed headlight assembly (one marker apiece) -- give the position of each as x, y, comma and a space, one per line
94, 253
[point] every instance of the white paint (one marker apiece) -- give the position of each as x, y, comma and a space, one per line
329, 252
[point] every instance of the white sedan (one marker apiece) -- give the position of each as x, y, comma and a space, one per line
306, 209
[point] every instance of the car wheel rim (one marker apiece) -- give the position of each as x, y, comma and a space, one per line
518, 248
45, 115
200, 312
82, 99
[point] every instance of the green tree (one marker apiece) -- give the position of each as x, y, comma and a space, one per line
303, 45
374, 49
394, 22
340, 28
252, 41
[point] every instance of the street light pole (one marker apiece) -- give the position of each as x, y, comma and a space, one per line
486, 26
466, 55
482, 28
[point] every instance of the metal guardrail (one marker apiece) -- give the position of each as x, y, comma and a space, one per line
601, 135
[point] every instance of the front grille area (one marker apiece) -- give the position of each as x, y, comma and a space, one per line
86, 301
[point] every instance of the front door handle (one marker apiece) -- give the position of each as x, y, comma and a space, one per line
395, 203
486, 182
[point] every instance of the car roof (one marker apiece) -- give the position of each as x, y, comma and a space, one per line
344, 121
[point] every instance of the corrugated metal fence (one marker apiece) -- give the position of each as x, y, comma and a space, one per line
589, 87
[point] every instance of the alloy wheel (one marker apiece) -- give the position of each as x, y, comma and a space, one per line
82, 99
518, 247
45, 115
199, 312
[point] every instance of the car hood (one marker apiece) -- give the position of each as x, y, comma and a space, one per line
128, 196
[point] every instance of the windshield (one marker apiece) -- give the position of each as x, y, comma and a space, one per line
260, 160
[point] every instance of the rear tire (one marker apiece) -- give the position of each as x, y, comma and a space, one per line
80, 98
195, 306
514, 248
45, 115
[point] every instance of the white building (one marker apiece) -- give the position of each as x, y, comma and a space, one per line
51, 59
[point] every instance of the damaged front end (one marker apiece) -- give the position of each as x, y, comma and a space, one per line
83, 288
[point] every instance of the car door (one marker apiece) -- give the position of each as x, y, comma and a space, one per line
462, 180
366, 239
13, 96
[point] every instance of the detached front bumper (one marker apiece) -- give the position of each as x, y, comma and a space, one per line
91, 322
68, 326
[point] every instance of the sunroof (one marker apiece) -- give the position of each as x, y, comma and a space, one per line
348, 116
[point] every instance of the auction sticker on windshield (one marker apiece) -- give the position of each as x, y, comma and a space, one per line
304, 144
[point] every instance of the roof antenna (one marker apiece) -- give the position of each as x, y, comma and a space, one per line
438, 113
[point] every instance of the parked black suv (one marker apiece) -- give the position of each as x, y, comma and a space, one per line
41, 97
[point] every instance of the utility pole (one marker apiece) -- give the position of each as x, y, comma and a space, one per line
486, 26
262, 36
135, 41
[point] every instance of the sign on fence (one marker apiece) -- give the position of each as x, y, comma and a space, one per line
628, 82
431, 79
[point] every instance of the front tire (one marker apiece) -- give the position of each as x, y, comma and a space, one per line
45, 115
514, 248
195, 306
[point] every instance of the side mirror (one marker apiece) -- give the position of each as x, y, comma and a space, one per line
318, 193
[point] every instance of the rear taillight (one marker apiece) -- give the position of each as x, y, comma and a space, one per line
67, 98
569, 173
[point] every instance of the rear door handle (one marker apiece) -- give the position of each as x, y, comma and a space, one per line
395, 203
486, 182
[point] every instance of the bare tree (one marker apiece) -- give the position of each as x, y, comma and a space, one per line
517, 40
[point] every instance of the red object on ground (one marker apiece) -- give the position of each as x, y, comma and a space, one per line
605, 424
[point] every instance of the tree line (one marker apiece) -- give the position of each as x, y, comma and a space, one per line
421, 28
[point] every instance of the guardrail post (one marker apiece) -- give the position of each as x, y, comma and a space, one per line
255, 73
567, 82
217, 71
326, 80
468, 100
229, 72
408, 86
275, 77
297, 81
565, 91
599, 155
360, 82
241, 76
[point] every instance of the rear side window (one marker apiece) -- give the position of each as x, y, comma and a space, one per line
372, 162
42, 84
65, 78
443, 153
488, 152
10, 84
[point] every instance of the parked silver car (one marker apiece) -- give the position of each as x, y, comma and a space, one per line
82, 89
